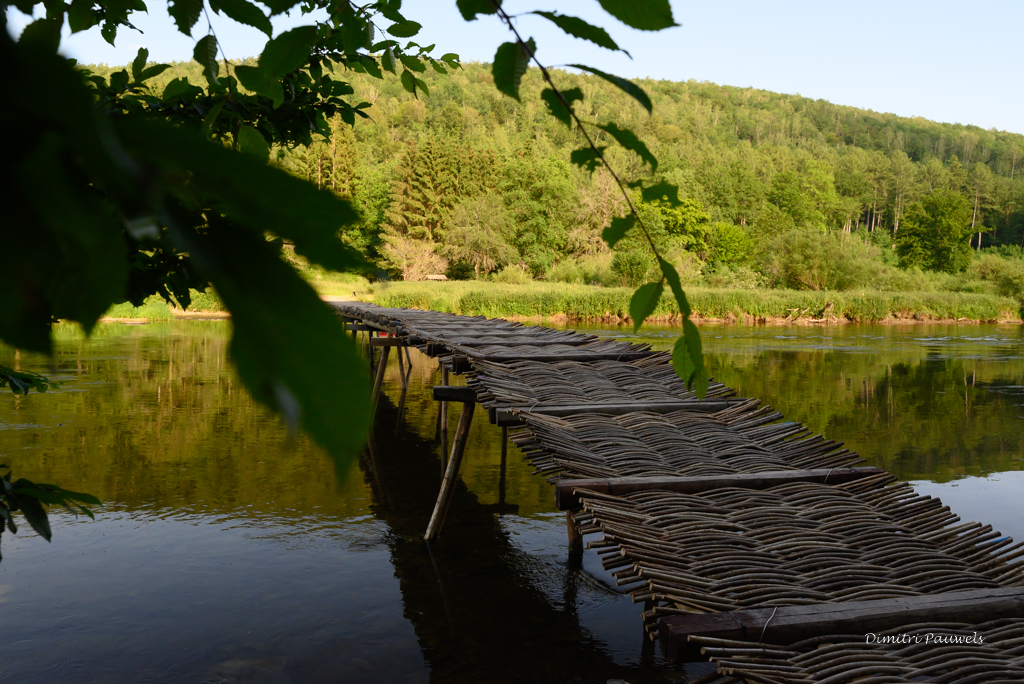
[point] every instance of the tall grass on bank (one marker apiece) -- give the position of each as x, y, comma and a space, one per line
583, 302
156, 309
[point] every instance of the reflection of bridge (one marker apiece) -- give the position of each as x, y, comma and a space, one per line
467, 595
720, 519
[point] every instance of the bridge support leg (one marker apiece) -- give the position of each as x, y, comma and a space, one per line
379, 380
401, 370
444, 413
575, 538
501, 471
451, 473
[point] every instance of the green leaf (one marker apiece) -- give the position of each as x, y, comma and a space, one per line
578, 28
628, 139
185, 13
81, 15
179, 87
587, 157
205, 53
421, 85
662, 192
409, 81
279, 6
153, 71
688, 360
471, 8
698, 380
630, 88
682, 362
555, 105
620, 226
370, 65
646, 15
387, 60
139, 64
669, 271
42, 33
643, 303
244, 12
252, 142
405, 29
289, 347
34, 514
252, 194
258, 81
510, 62
412, 63
288, 52
69, 246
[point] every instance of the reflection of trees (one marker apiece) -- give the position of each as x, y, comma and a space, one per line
468, 595
154, 415
930, 418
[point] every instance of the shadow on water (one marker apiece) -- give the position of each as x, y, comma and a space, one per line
469, 594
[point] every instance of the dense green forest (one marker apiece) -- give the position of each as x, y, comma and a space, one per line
781, 191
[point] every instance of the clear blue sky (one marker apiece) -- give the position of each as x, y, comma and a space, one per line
948, 61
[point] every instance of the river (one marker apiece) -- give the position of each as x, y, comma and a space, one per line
227, 550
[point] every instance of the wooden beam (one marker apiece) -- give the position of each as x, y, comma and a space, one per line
454, 393
507, 415
451, 473
357, 326
379, 380
566, 356
387, 342
789, 624
567, 499
522, 341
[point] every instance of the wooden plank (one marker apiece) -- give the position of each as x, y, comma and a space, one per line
500, 357
387, 342
508, 415
454, 393
789, 624
522, 341
566, 498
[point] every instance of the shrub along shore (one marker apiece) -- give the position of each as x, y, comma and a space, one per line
556, 301
563, 302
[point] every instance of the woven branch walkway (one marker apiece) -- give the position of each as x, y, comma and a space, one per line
698, 518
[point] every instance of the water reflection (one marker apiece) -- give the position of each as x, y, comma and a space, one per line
227, 552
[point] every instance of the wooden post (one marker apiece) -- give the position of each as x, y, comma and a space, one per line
451, 473
401, 370
501, 471
444, 412
575, 538
379, 380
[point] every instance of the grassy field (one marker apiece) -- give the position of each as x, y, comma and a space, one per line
584, 302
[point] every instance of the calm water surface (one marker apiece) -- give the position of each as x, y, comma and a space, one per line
226, 551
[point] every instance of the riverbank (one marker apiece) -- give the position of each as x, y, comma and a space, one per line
560, 302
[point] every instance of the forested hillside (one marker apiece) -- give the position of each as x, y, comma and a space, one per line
782, 191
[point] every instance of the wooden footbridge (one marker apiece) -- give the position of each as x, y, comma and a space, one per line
747, 539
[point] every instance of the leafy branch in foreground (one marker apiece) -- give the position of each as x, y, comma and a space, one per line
20, 382
31, 500
510, 63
